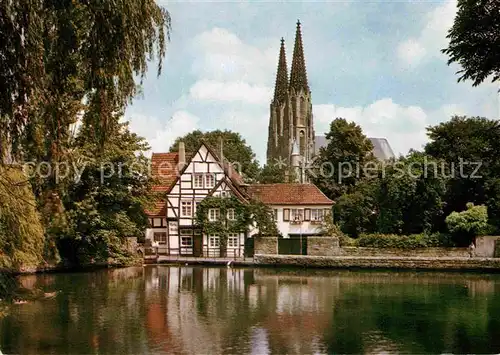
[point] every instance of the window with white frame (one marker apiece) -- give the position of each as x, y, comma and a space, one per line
297, 214
231, 214
209, 181
214, 241
213, 214
232, 240
317, 214
186, 241
160, 237
186, 208
198, 181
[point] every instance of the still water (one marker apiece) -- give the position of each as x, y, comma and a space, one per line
205, 310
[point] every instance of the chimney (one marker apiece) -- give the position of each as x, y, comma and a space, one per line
287, 176
182, 155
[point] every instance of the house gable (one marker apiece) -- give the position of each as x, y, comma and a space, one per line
202, 176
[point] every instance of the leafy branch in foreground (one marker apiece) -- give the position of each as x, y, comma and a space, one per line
475, 40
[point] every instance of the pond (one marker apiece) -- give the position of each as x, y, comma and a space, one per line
187, 310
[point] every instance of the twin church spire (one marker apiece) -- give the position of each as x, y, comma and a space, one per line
291, 121
281, 86
298, 74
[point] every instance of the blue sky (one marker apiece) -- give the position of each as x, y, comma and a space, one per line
377, 63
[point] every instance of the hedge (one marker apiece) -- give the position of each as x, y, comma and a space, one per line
404, 241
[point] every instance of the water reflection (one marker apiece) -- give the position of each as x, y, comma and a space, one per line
186, 310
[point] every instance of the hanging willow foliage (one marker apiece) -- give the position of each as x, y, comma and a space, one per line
22, 241
64, 57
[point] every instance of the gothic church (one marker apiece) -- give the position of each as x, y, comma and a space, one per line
292, 139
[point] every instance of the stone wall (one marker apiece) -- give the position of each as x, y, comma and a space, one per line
131, 245
412, 263
420, 252
323, 246
329, 246
485, 246
266, 245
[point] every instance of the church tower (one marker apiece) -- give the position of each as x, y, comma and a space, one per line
291, 118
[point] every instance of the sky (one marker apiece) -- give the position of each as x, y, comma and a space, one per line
377, 63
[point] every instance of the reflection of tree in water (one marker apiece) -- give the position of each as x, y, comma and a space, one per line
222, 310
92, 312
415, 318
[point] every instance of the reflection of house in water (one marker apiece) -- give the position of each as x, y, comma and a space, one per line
208, 310
187, 307
255, 311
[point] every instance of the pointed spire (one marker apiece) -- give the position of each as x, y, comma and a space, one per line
298, 75
281, 87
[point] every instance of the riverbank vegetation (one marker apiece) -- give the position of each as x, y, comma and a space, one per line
450, 188
65, 89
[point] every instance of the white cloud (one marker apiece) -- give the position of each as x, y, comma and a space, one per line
230, 91
432, 37
221, 55
403, 126
411, 52
162, 136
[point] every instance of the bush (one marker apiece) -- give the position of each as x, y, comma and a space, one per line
468, 224
404, 241
346, 241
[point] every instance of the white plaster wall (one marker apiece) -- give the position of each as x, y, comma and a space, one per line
149, 234
306, 227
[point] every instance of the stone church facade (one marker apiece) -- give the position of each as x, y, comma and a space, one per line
291, 119
291, 136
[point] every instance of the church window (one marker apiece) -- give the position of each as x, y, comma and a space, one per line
302, 111
302, 139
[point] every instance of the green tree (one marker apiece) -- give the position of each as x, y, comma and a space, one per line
469, 147
22, 241
64, 60
468, 224
106, 203
60, 58
475, 40
355, 212
410, 195
405, 196
235, 149
273, 174
336, 169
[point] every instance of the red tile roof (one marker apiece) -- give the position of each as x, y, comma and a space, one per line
158, 209
164, 169
289, 194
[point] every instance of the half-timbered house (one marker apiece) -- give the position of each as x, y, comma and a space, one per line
186, 180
